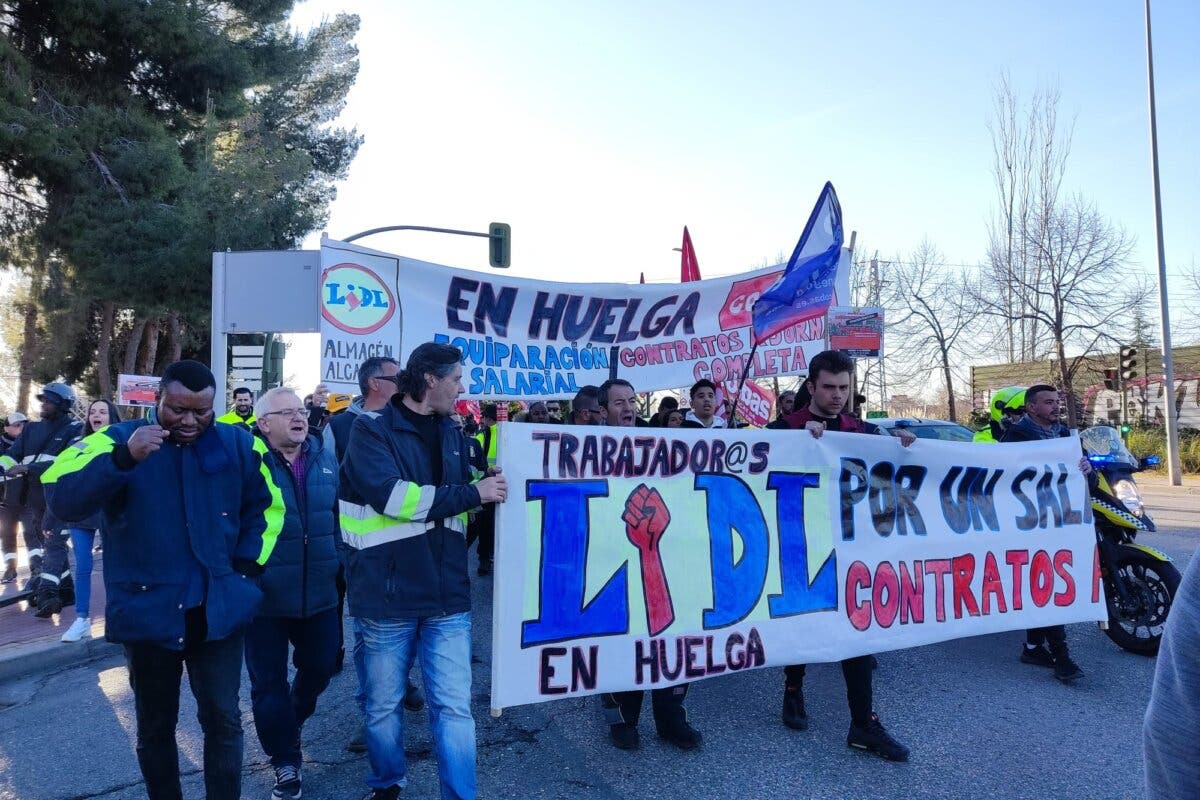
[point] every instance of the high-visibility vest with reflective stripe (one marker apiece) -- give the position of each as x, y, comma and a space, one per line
488, 439
231, 417
363, 527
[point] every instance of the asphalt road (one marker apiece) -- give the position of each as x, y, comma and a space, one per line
980, 724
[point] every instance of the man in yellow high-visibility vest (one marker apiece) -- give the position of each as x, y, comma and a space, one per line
242, 413
483, 527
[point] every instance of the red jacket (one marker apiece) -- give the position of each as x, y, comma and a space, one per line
849, 423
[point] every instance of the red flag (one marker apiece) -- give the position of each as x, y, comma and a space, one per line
689, 268
643, 278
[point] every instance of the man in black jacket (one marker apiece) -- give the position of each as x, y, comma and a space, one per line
1045, 647
623, 709
299, 588
31, 455
408, 488
191, 515
12, 499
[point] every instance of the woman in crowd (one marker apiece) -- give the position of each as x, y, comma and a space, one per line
100, 414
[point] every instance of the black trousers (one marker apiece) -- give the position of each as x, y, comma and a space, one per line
626, 707
9, 517
1055, 637
56, 563
214, 672
339, 580
31, 526
857, 673
281, 708
483, 528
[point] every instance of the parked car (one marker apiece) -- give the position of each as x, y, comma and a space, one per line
926, 428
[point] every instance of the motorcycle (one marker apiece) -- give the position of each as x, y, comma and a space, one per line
1139, 581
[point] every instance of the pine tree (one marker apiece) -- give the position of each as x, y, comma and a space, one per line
138, 137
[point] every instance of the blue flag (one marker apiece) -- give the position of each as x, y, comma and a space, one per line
805, 289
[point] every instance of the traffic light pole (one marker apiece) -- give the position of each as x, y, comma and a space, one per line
1172, 417
498, 235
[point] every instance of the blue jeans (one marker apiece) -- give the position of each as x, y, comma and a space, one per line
280, 710
388, 649
82, 542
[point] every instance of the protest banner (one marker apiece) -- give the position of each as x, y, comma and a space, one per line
525, 339
857, 332
360, 316
754, 404
637, 558
137, 390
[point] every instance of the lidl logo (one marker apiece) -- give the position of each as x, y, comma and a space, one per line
355, 299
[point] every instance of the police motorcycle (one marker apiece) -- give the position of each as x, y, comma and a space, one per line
1139, 581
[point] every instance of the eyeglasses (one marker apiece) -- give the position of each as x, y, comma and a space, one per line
288, 412
389, 378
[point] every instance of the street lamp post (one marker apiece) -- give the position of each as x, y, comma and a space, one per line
1172, 417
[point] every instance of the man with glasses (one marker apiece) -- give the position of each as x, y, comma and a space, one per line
377, 383
585, 408
300, 595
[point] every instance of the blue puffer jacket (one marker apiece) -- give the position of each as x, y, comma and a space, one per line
408, 536
185, 515
299, 580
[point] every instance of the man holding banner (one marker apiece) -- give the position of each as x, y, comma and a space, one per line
828, 383
409, 488
622, 709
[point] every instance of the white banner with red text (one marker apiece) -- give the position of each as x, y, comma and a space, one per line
524, 339
632, 558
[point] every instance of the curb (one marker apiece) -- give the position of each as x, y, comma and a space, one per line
43, 655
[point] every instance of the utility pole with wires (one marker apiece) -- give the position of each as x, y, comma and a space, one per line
875, 298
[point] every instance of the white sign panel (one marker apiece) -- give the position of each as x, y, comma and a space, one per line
360, 315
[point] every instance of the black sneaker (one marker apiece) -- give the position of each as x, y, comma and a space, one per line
485, 567
287, 783
66, 591
1065, 669
793, 708
680, 734
624, 736
390, 793
1039, 656
10, 573
47, 601
875, 738
358, 744
413, 699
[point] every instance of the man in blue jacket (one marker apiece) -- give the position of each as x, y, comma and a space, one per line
407, 489
299, 588
191, 515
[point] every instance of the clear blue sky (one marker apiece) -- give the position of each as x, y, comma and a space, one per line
598, 130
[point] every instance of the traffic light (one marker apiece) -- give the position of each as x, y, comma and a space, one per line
1110, 379
1129, 362
499, 244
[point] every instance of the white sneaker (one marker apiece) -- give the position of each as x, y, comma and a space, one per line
80, 629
